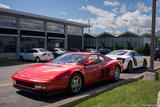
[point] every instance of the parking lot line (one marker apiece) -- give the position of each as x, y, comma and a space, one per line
3, 85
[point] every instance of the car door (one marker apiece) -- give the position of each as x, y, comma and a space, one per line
103, 71
140, 59
91, 70
27, 54
136, 59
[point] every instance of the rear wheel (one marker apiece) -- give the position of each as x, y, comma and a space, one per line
129, 67
37, 59
117, 72
75, 83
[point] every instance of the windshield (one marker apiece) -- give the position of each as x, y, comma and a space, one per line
117, 53
42, 50
75, 59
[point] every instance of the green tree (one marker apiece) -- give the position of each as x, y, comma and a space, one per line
127, 46
102, 46
147, 49
115, 46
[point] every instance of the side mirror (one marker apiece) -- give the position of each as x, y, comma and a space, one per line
48, 59
91, 62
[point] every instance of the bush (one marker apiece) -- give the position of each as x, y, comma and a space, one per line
115, 47
127, 46
147, 49
140, 50
102, 46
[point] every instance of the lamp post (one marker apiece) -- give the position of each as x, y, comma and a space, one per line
89, 25
151, 75
126, 21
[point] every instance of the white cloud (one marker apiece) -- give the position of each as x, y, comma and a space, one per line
141, 6
109, 3
64, 13
123, 8
4, 6
115, 10
112, 23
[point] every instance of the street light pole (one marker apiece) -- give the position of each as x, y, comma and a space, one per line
89, 25
153, 35
126, 21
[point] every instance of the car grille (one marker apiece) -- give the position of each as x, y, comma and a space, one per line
25, 83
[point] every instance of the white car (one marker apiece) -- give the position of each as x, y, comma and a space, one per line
36, 54
131, 59
91, 50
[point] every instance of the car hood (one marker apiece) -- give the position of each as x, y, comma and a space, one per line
116, 56
44, 72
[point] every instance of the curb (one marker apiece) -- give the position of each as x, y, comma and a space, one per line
158, 99
69, 102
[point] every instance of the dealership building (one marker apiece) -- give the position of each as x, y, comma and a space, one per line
20, 31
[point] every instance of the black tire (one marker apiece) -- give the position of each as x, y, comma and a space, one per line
144, 63
21, 58
75, 83
37, 59
129, 67
117, 72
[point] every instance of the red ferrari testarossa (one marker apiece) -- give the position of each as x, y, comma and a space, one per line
70, 71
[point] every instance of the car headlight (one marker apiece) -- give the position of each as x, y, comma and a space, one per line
40, 86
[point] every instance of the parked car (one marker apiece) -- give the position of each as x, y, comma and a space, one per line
71, 71
157, 54
36, 54
104, 51
91, 50
58, 51
130, 58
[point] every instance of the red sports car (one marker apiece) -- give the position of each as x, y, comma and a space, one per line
70, 71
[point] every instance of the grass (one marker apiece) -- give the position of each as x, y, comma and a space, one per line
139, 93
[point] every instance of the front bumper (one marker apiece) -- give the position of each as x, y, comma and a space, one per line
44, 93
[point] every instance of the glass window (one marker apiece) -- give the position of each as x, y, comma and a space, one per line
26, 23
55, 43
101, 58
8, 21
28, 43
75, 59
8, 44
74, 30
93, 58
55, 27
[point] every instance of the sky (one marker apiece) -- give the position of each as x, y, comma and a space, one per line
112, 16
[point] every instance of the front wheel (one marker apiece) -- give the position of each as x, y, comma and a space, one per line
37, 59
75, 83
117, 72
129, 67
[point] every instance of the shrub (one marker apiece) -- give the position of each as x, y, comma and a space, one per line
147, 49
140, 50
127, 46
115, 47
102, 46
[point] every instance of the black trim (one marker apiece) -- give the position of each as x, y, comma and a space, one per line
45, 93
32, 33
56, 35
8, 31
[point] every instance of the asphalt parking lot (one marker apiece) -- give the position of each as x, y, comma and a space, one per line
10, 96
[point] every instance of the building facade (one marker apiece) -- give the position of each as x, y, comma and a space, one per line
20, 31
107, 40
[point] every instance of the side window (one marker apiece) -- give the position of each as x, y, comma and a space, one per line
93, 58
102, 59
136, 54
132, 54
34, 51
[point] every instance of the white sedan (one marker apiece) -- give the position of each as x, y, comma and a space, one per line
131, 59
36, 54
